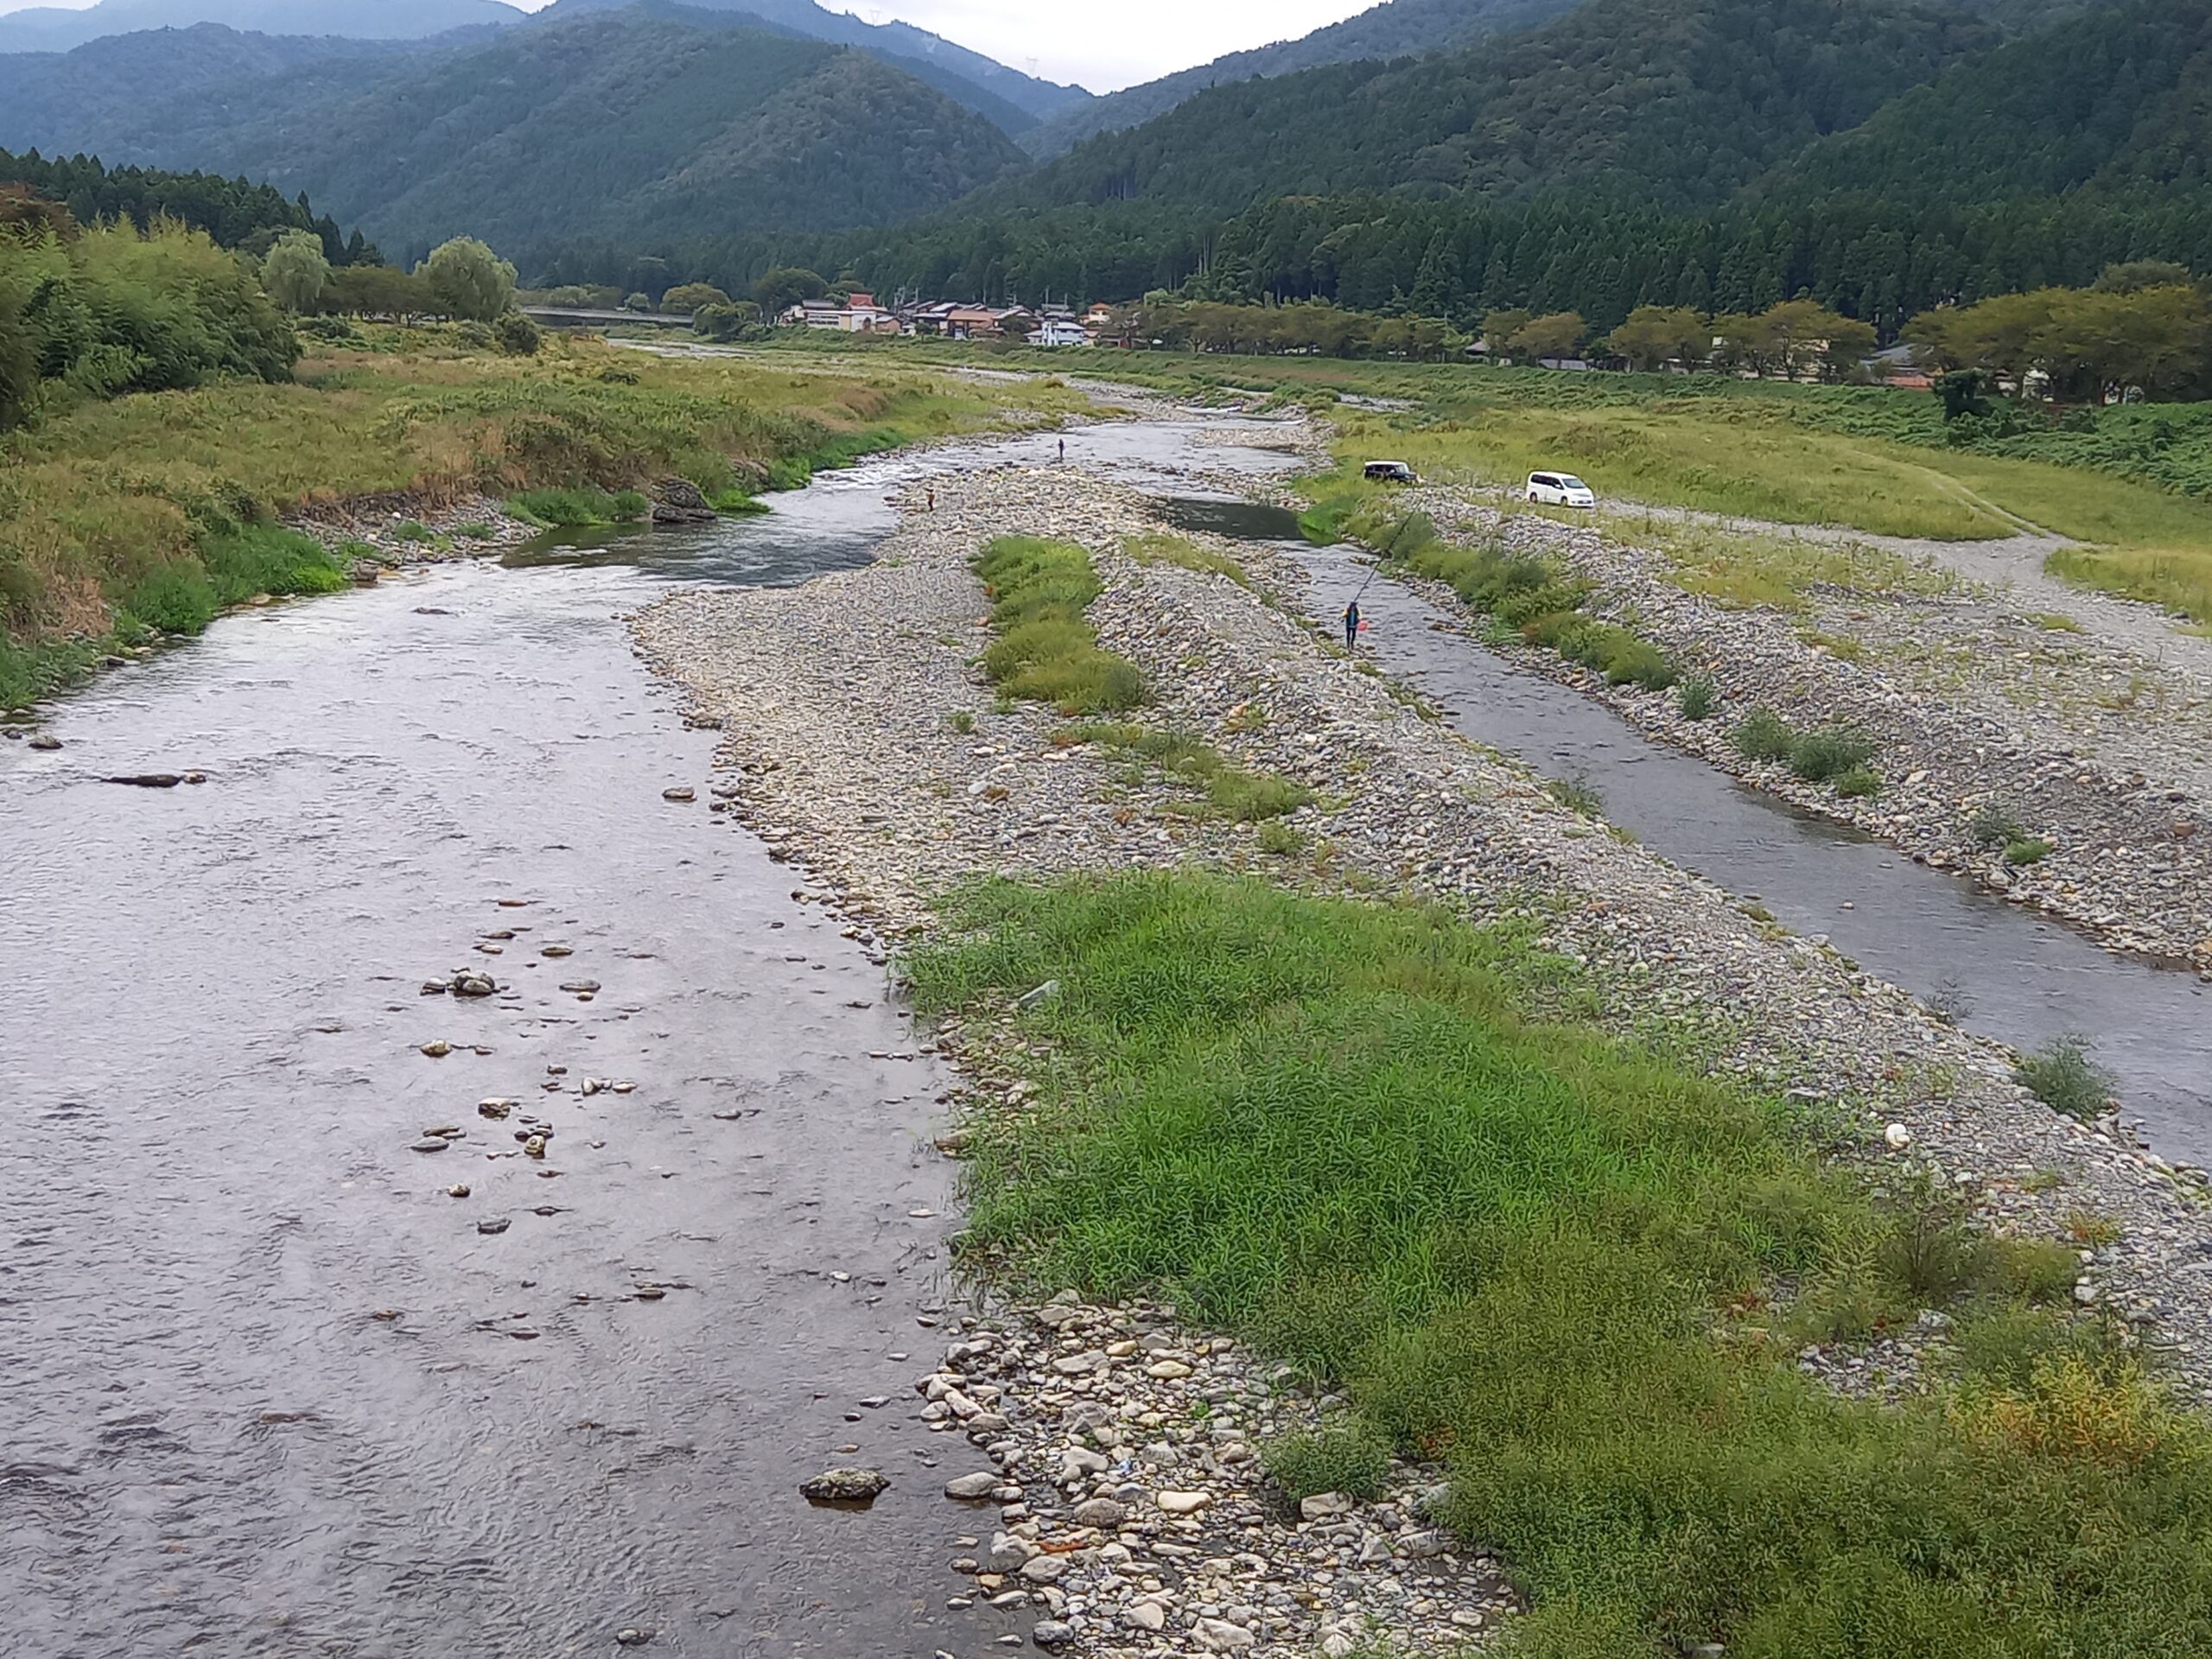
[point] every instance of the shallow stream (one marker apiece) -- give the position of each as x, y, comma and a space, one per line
268, 1389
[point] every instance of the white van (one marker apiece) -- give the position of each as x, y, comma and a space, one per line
1560, 490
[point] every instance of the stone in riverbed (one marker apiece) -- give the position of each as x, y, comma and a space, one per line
1322, 1506
145, 779
46, 741
492, 1226
1185, 1503
845, 1486
472, 981
1051, 1633
1102, 1513
431, 1143
969, 1487
438, 1050
679, 795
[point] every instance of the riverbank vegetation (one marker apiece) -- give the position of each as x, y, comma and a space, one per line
1578, 1274
111, 502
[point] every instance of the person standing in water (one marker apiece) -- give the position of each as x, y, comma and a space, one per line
1064, 452
1352, 626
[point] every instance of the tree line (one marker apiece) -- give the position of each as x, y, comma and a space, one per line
234, 213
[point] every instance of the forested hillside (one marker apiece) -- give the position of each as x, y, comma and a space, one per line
1398, 29
620, 125
1671, 103
2121, 100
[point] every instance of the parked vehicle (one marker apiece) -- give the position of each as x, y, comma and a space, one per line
1560, 490
1391, 471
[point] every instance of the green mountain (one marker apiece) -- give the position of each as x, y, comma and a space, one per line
1653, 101
1397, 29
57, 29
2116, 101
616, 125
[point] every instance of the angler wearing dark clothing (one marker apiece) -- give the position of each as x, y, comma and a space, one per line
1352, 626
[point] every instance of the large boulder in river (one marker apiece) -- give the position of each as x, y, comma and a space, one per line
680, 503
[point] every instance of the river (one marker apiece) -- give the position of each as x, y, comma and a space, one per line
271, 1390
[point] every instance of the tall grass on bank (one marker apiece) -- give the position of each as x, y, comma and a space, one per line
1046, 649
1552, 1259
1532, 596
108, 508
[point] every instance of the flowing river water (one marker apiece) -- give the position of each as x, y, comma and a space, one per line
268, 1389
271, 1390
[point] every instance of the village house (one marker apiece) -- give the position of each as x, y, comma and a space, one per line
859, 315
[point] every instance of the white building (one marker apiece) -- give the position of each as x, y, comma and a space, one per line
1056, 331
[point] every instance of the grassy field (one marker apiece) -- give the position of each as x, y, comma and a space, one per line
2134, 484
1578, 1274
114, 518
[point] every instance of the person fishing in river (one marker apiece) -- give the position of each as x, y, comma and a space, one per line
1352, 626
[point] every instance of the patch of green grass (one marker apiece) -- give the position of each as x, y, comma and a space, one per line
1995, 823
1577, 795
2062, 1075
2033, 849
1764, 735
1830, 753
960, 721
1046, 651
1698, 698
1343, 1457
1179, 551
577, 507
1548, 1258
1860, 784
1278, 839
408, 531
1229, 793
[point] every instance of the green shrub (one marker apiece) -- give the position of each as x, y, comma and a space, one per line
517, 334
1341, 1456
2032, 850
1832, 751
1995, 824
1630, 661
1764, 735
1576, 794
2062, 1075
1860, 784
961, 721
1698, 698
1279, 839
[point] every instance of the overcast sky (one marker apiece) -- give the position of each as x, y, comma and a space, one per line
1104, 47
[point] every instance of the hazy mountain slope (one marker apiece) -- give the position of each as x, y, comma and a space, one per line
2115, 99
56, 29
1007, 117
609, 126
1675, 103
898, 42
1396, 28
167, 94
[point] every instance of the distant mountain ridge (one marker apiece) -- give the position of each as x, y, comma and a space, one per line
607, 124
57, 29
931, 57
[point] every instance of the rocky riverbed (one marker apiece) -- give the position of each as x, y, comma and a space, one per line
2082, 733
863, 746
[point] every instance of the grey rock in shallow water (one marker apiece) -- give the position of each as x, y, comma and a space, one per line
46, 740
1050, 1633
845, 1486
470, 982
142, 779
982, 1485
492, 1226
